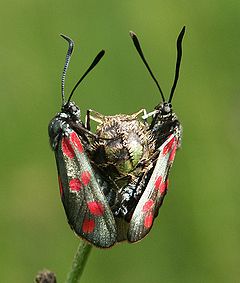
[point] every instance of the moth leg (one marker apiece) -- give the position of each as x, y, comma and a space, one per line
150, 114
95, 116
80, 128
141, 111
87, 120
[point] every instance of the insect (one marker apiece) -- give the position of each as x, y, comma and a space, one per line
86, 207
123, 142
152, 186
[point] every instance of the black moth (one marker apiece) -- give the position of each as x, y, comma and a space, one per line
113, 183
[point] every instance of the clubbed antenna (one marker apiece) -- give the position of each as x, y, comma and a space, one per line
179, 57
68, 57
139, 50
94, 63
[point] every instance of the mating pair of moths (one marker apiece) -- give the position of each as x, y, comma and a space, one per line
113, 182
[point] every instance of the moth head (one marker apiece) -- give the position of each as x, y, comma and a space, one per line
72, 110
166, 108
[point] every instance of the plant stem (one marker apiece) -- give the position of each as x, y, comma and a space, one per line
79, 262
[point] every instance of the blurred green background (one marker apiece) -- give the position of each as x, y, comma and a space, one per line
196, 236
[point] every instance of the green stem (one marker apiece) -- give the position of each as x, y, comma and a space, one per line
79, 262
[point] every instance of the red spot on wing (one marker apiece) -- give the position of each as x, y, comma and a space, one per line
168, 146
172, 154
148, 205
96, 208
160, 185
148, 220
163, 187
60, 185
88, 225
76, 141
158, 182
85, 177
66, 148
75, 185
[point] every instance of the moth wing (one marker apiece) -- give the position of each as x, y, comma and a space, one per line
152, 197
86, 207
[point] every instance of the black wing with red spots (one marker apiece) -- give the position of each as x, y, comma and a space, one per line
166, 131
86, 207
152, 198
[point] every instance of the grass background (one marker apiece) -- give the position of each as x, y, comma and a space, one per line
196, 236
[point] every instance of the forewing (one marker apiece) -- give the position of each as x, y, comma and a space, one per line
85, 205
152, 197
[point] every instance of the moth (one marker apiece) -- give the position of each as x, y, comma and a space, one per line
85, 205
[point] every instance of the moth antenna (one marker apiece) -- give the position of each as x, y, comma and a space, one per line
94, 63
178, 62
67, 60
139, 50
